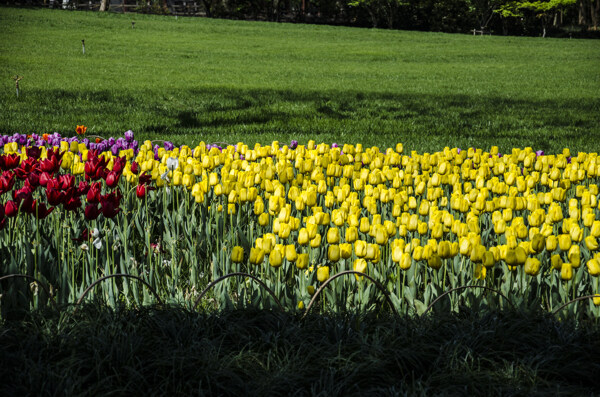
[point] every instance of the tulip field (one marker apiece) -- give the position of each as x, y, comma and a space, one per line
475, 228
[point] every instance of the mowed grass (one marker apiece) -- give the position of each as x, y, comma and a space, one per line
194, 79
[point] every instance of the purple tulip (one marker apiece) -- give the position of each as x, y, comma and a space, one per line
129, 135
294, 144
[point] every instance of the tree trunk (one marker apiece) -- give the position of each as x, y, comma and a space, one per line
207, 5
104, 5
594, 11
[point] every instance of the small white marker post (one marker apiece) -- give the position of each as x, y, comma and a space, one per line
17, 78
83, 46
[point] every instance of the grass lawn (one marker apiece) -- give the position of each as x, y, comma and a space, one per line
193, 79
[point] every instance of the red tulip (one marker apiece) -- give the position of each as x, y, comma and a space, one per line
119, 164
52, 163
9, 161
140, 191
72, 203
44, 178
55, 196
33, 152
27, 166
145, 178
91, 211
93, 194
33, 179
112, 179
7, 181
110, 203
135, 168
40, 210
11, 209
83, 188
95, 167
66, 181
23, 192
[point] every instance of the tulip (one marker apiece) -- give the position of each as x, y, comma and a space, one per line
257, 256
333, 253
434, 262
479, 272
290, 253
566, 271
302, 261
574, 256
11, 209
360, 265
564, 242
593, 266
333, 235
323, 273
275, 258
532, 266
237, 254
345, 250
556, 262
591, 243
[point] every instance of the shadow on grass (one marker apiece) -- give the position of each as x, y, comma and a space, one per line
423, 121
247, 352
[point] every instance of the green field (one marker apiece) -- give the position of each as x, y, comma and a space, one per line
193, 79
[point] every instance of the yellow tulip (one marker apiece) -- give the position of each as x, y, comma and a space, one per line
538, 243
360, 265
323, 273
434, 262
263, 219
333, 253
310, 289
477, 253
275, 258
302, 261
345, 250
257, 256
574, 256
316, 242
564, 242
566, 271
360, 248
551, 243
333, 235
591, 243
556, 262
290, 253
351, 234
237, 254
593, 267
479, 272
532, 266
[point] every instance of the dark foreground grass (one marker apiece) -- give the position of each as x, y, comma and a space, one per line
164, 351
201, 79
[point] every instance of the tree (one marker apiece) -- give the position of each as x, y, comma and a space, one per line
379, 8
543, 10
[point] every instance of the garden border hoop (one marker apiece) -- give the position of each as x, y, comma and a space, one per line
217, 281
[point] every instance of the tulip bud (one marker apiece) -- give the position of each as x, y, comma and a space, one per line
275, 258
532, 266
237, 254
593, 267
323, 273
333, 235
302, 261
333, 253
566, 271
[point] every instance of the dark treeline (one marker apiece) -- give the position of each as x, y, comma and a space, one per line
558, 18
